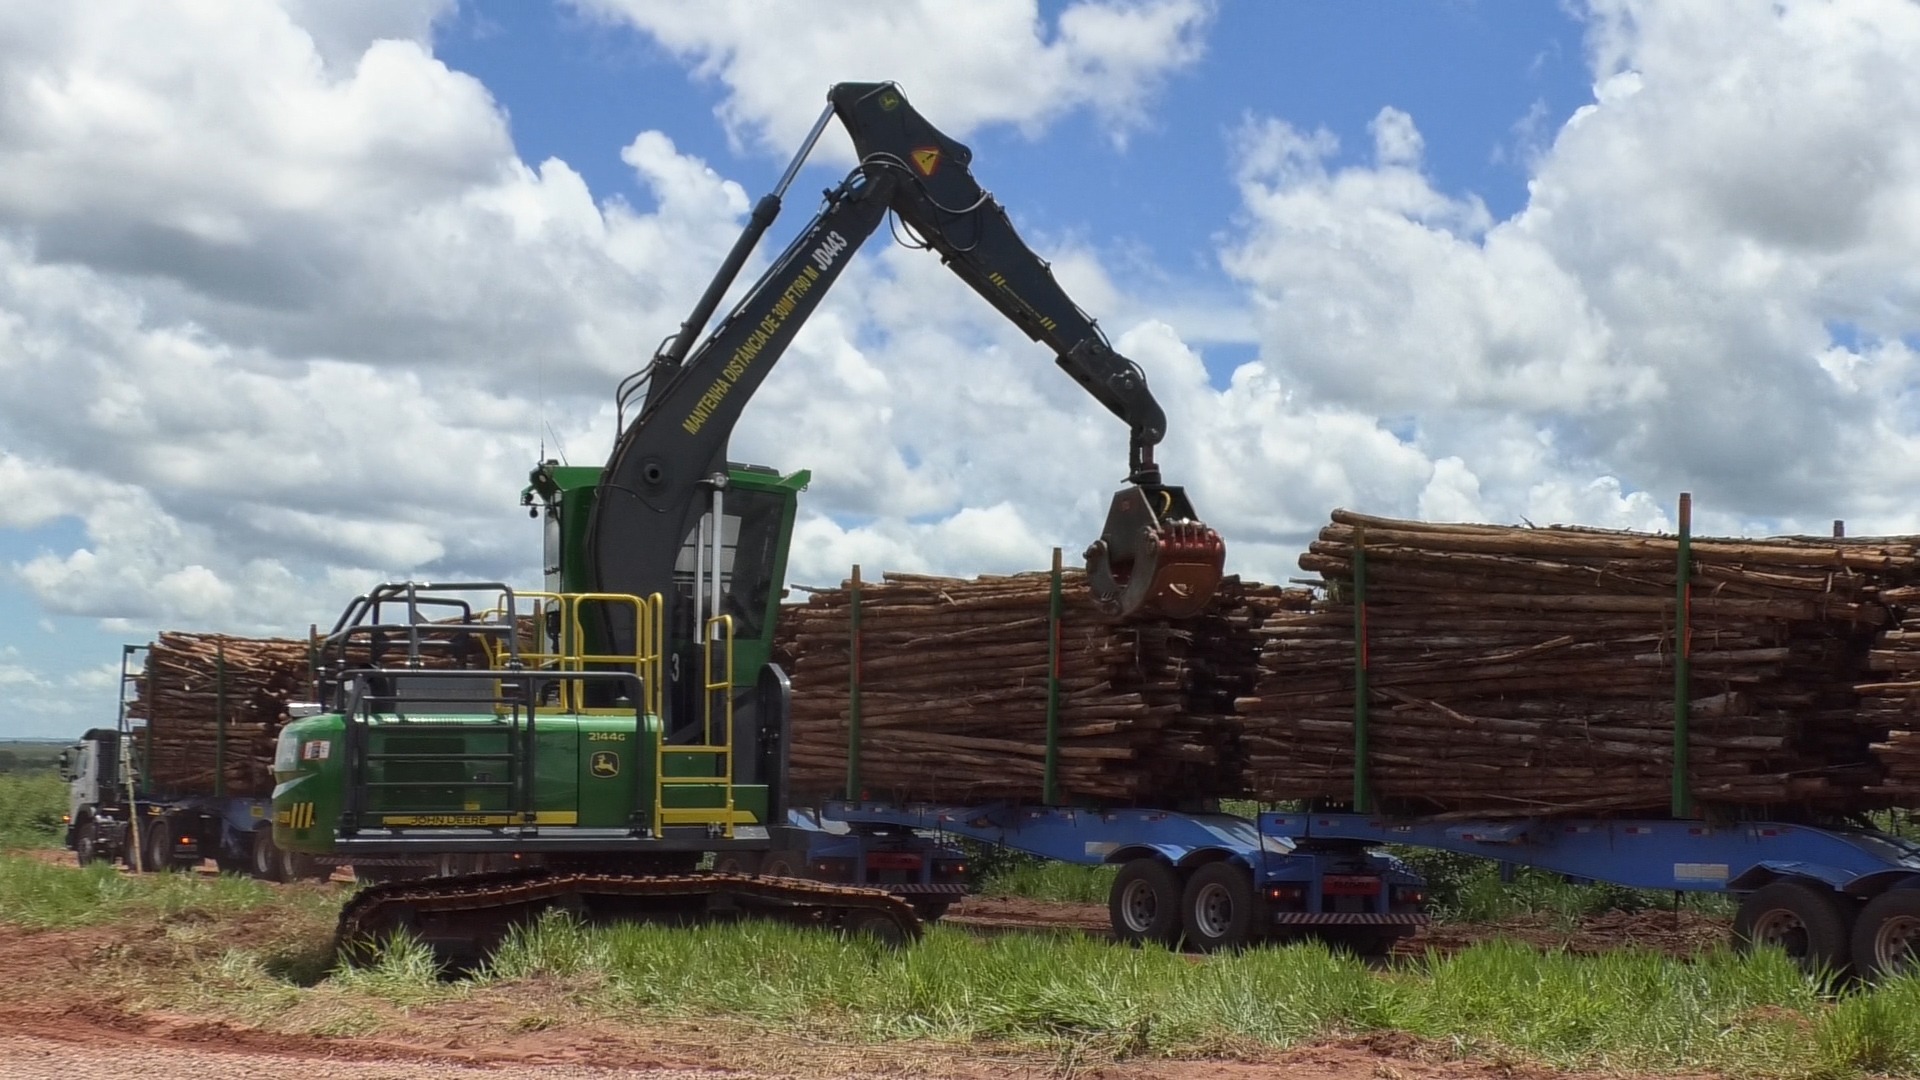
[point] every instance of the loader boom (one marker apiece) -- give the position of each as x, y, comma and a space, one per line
669, 464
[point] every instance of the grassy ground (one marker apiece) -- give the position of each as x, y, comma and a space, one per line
43, 895
31, 805
1633, 1012
254, 954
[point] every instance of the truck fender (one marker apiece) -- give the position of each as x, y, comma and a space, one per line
1766, 873
1868, 886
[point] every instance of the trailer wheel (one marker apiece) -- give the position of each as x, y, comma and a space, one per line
1886, 940
1806, 920
1144, 904
265, 857
1217, 909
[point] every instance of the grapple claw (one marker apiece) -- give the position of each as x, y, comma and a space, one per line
1154, 559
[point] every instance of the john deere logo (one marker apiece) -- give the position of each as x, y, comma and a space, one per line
605, 763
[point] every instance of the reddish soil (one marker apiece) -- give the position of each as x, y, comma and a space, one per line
991, 914
67, 1009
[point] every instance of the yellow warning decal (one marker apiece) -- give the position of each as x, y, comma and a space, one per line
926, 159
545, 817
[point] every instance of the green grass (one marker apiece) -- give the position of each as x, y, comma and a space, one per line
1740, 1015
36, 894
1039, 880
1469, 890
31, 806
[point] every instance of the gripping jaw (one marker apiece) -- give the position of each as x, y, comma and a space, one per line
1154, 558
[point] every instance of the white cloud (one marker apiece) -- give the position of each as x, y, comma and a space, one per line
986, 61
283, 310
1658, 317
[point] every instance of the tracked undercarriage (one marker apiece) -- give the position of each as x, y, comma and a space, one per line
462, 919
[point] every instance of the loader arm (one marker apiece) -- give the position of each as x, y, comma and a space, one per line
668, 468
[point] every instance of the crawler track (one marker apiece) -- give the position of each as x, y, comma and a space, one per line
462, 918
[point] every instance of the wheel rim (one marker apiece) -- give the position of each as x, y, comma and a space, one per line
1213, 910
1894, 941
1138, 906
1784, 929
263, 854
87, 844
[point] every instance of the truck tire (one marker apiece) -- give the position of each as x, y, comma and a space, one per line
1886, 938
1218, 910
87, 841
156, 845
298, 866
1808, 921
264, 858
1144, 903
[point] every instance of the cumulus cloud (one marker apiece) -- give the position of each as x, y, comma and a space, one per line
282, 309
986, 61
1711, 286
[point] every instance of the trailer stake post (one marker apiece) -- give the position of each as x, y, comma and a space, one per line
1050, 789
1362, 787
853, 690
1683, 659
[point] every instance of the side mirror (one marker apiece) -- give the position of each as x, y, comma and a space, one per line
66, 764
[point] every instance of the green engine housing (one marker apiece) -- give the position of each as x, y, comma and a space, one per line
590, 771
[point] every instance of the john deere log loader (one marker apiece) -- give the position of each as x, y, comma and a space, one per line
627, 720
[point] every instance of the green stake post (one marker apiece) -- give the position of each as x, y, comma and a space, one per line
1050, 789
219, 720
1683, 659
1362, 793
853, 691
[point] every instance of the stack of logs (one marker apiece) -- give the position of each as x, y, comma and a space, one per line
1890, 700
954, 687
1532, 670
194, 682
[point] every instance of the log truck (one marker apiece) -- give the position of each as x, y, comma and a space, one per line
627, 721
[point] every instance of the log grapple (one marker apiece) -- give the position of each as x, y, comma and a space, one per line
1155, 559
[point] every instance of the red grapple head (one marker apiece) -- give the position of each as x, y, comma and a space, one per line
1154, 559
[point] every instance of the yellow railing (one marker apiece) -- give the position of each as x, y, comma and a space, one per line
719, 632
570, 653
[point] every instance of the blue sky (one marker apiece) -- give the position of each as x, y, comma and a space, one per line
291, 298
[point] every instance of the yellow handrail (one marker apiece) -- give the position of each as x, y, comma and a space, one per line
718, 630
569, 653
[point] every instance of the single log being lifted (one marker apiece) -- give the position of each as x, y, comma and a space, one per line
1525, 670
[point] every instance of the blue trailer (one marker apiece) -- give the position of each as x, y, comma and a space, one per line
1834, 898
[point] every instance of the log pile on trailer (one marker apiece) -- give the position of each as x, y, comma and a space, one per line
1526, 670
201, 689
1890, 699
954, 682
